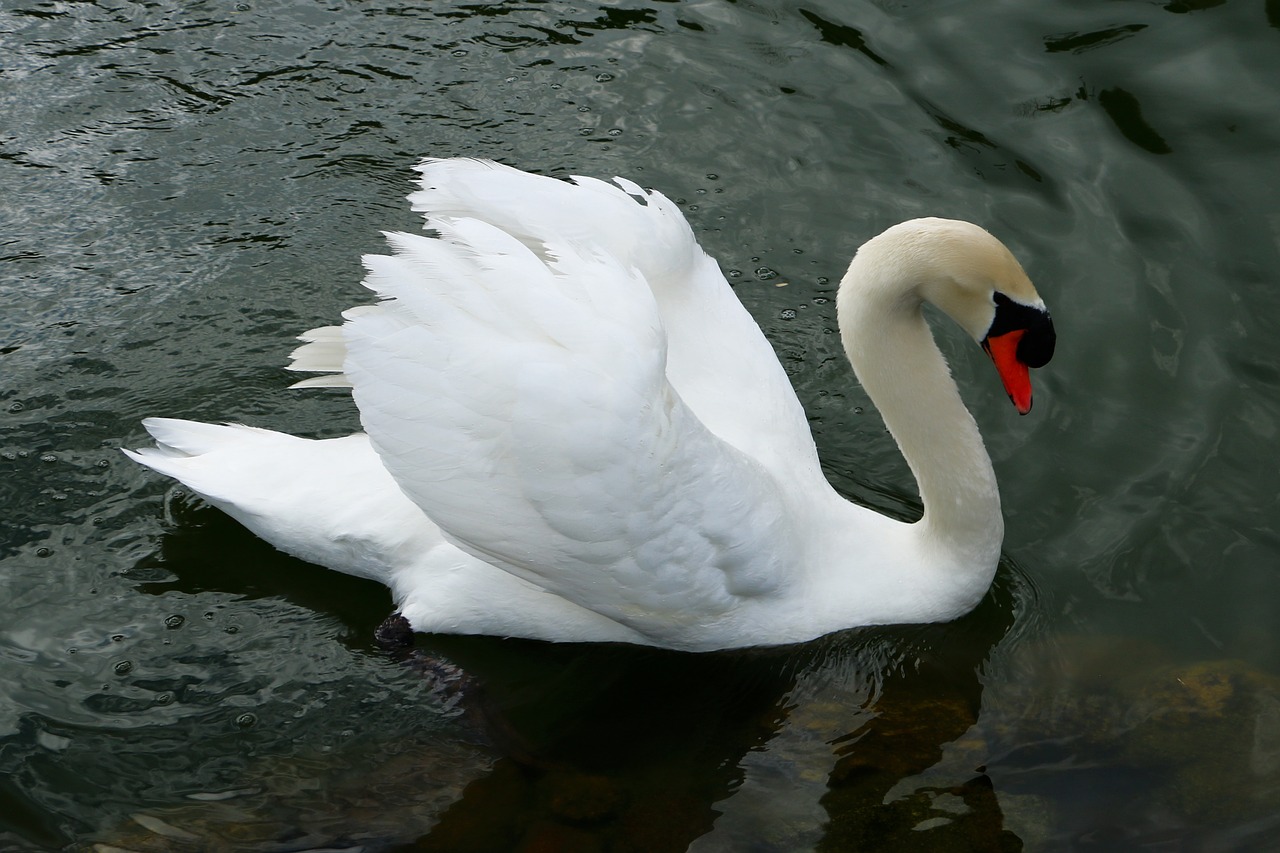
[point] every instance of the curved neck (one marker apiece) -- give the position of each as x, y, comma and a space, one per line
896, 360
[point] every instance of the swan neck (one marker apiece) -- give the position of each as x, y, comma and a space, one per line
895, 358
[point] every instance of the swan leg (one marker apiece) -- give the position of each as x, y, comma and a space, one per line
456, 688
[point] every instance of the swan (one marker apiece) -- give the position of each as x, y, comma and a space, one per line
574, 431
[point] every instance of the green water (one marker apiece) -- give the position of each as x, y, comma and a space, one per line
186, 186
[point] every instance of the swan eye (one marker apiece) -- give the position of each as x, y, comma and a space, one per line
1035, 348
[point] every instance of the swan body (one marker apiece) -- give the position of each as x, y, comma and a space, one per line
573, 431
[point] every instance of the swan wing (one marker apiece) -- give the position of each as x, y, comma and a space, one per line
717, 358
518, 393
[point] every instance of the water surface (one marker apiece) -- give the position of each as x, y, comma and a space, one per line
185, 187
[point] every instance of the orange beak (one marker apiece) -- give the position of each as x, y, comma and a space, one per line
1003, 350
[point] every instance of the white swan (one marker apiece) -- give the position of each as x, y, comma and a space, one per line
575, 432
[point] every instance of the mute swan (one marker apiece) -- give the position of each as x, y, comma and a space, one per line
575, 432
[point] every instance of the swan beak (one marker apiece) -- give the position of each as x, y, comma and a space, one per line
1015, 375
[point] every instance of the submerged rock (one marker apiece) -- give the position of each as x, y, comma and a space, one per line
1127, 744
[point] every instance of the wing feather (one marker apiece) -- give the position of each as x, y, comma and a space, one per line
519, 396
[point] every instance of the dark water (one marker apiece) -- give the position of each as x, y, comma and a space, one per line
185, 186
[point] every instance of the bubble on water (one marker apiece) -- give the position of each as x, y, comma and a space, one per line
231, 629
245, 721
164, 699
43, 552
124, 667
604, 77
16, 407
615, 131
48, 457
174, 621
764, 273
788, 314
857, 410
734, 273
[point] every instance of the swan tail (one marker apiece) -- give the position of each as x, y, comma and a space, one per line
215, 461
328, 502
181, 439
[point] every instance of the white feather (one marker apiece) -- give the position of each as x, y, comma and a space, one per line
576, 432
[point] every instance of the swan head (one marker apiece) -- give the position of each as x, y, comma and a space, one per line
974, 279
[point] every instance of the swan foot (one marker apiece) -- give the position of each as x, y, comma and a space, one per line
394, 634
396, 638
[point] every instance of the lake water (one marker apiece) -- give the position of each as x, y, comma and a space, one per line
186, 186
